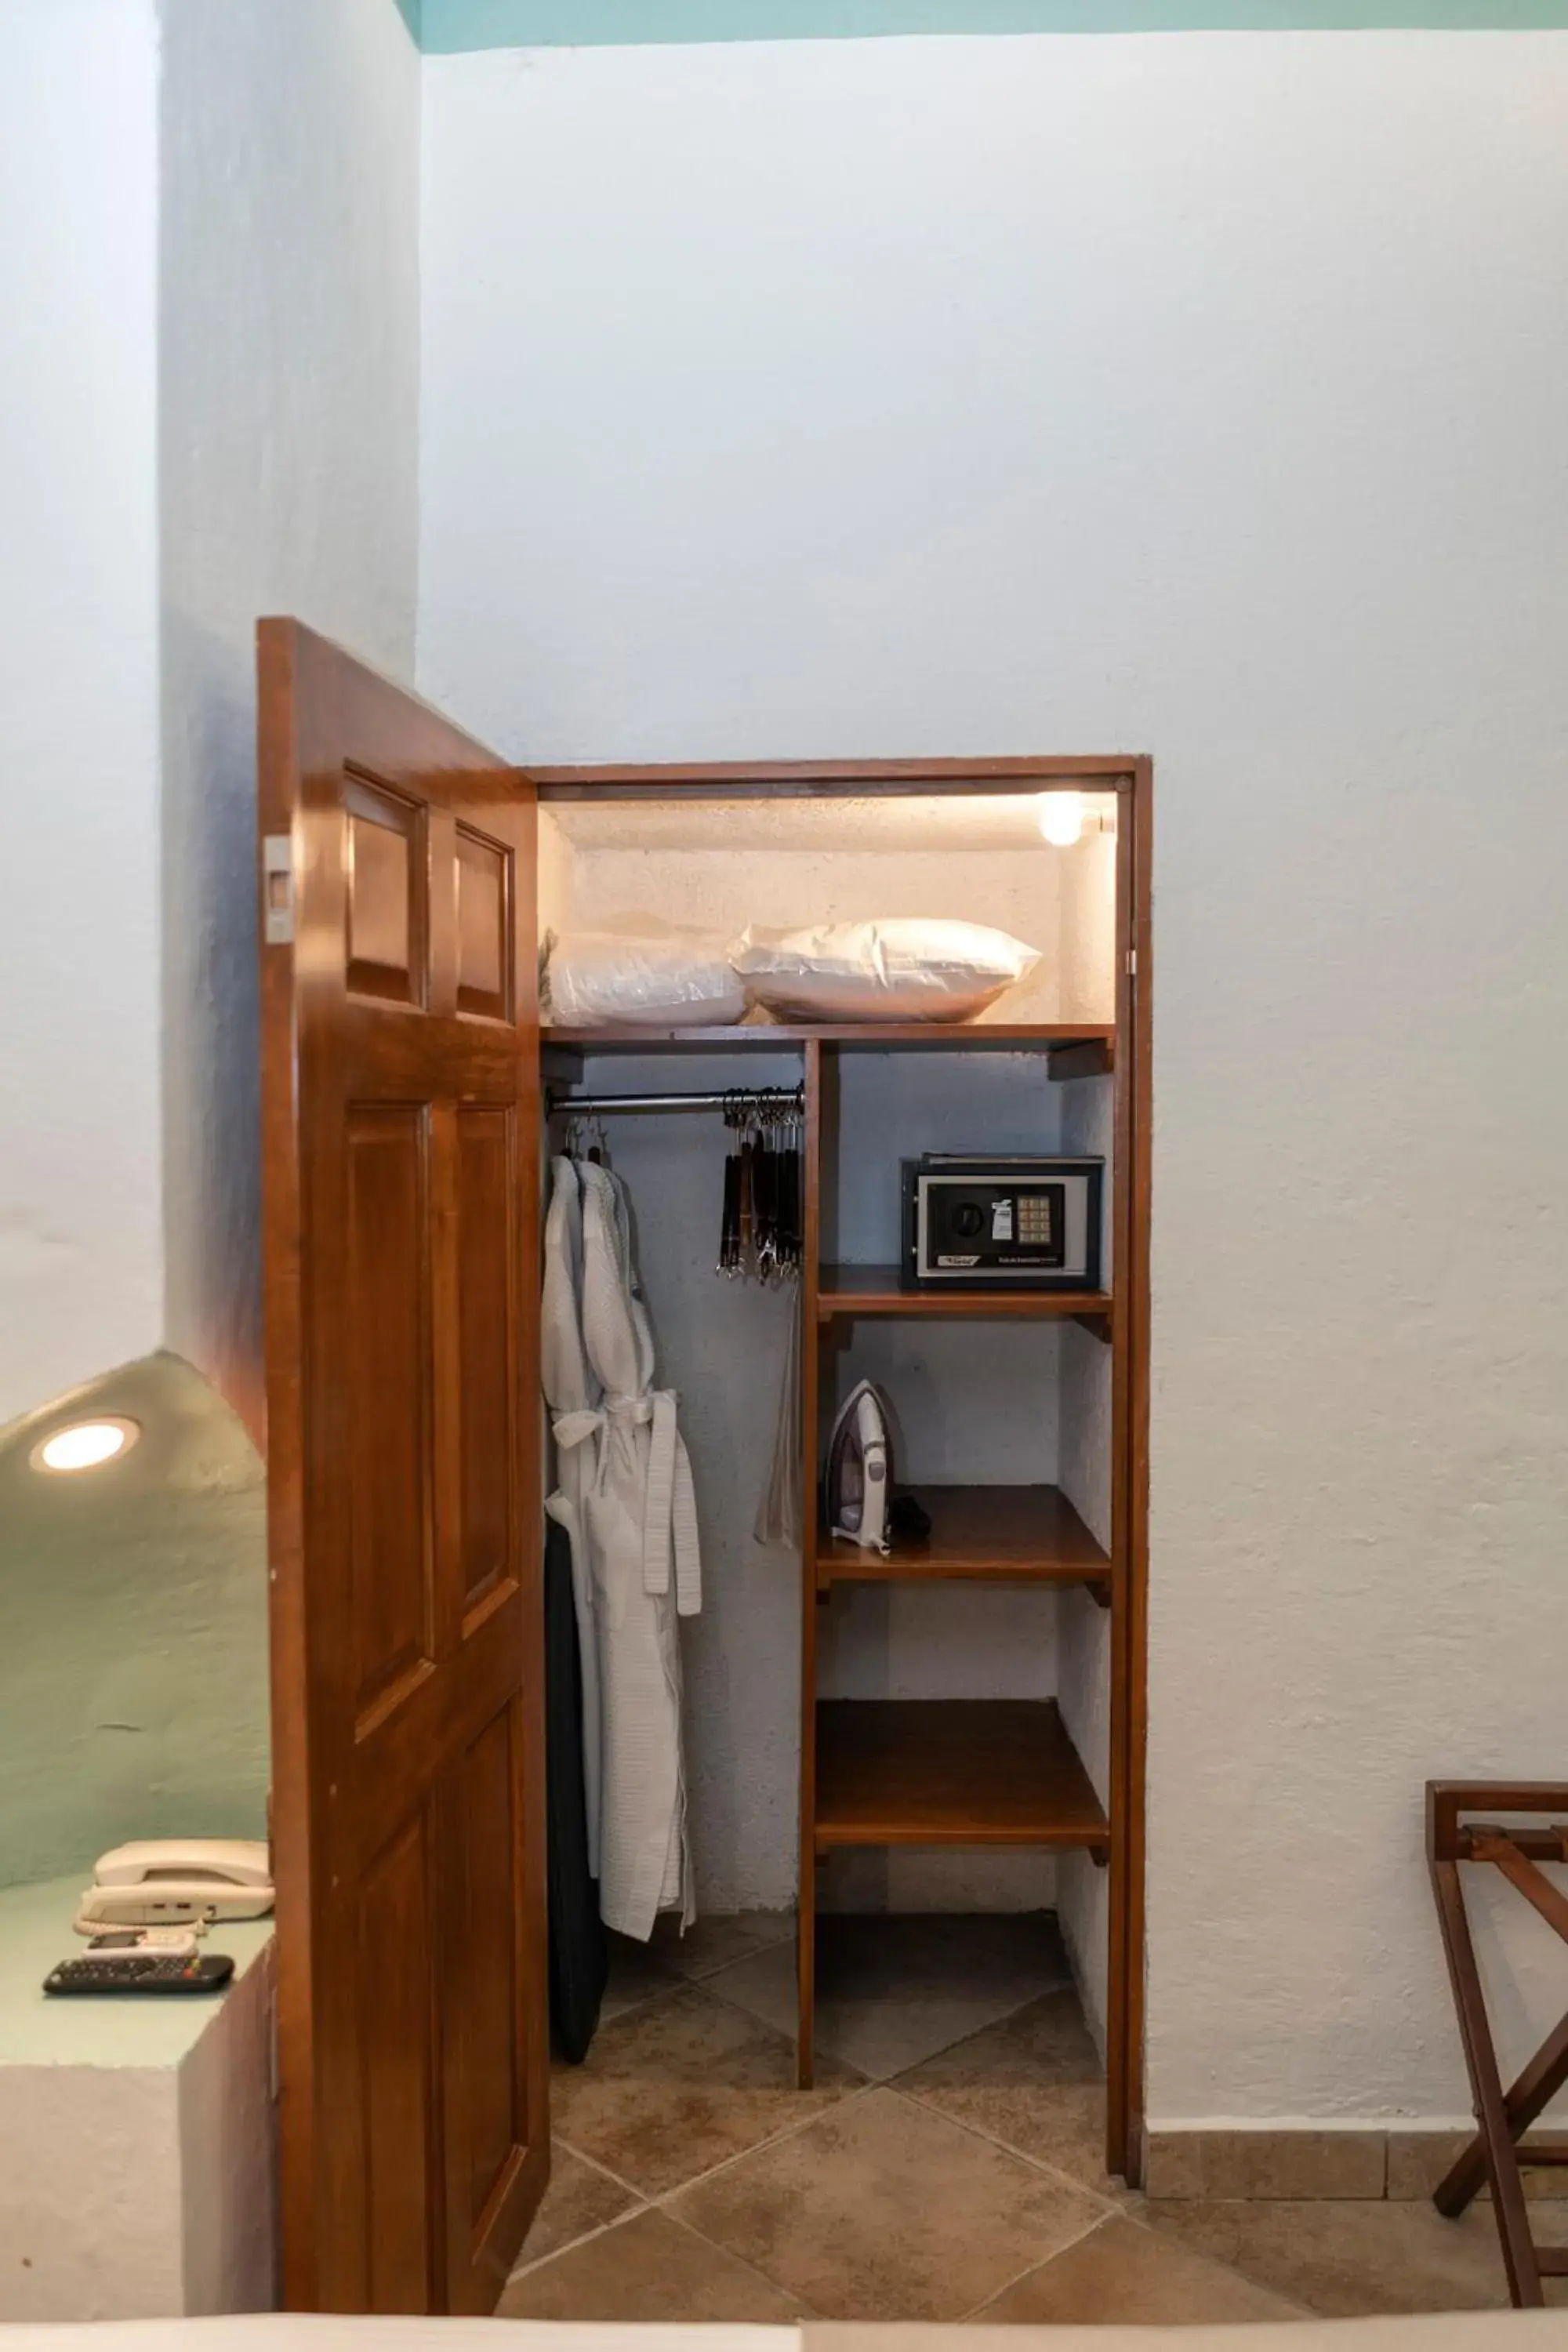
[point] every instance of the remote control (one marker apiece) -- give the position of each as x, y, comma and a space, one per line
150, 1972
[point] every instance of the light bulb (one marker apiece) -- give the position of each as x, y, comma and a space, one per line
1060, 816
85, 1445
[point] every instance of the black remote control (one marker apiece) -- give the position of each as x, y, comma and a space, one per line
156, 1972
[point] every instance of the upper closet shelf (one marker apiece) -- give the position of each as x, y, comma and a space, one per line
1088, 1046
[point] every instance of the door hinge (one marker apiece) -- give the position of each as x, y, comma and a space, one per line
277, 889
1132, 963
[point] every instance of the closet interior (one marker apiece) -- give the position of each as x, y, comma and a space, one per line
953, 1722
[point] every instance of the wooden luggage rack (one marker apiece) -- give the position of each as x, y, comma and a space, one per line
1493, 2156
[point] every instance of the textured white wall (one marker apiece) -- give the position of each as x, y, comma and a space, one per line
1203, 396
80, 1241
288, 424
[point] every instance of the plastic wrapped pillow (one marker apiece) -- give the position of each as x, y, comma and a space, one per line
664, 980
900, 969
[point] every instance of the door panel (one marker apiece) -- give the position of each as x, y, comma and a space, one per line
484, 927
488, 2196
486, 2123
486, 1348
385, 892
394, 2004
386, 1398
400, 1137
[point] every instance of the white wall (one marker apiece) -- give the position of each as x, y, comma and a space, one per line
80, 1241
289, 345
1202, 395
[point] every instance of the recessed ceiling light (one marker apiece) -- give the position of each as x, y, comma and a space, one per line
85, 1445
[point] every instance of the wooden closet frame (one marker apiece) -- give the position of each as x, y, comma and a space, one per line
1131, 779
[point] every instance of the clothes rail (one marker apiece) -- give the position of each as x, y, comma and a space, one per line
787, 1100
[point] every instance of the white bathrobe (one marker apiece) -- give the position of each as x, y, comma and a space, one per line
576, 1423
642, 1526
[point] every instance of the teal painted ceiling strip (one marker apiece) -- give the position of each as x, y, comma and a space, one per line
411, 12
452, 25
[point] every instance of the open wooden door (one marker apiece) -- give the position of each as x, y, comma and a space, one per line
400, 1121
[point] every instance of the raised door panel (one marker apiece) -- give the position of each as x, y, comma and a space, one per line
387, 1402
385, 894
485, 923
397, 1996
493, 2050
485, 1352
491, 2126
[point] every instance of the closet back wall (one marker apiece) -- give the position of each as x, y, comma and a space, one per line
1198, 395
975, 1401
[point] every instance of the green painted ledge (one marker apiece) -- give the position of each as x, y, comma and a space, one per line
444, 27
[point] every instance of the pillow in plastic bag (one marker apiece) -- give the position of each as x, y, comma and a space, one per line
663, 980
903, 968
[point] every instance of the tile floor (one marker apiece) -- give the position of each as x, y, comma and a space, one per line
947, 2166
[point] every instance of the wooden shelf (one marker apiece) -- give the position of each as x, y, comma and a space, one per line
876, 1290
951, 1772
1080, 1039
1028, 1535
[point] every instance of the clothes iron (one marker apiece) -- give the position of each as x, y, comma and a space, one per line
860, 1471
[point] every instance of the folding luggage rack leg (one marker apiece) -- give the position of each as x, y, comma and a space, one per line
1503, 2116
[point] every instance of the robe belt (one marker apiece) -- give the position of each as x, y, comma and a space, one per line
670, 1505
569, 1429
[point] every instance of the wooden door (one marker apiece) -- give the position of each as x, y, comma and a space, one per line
400, 1124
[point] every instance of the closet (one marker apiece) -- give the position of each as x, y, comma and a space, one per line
1021, 1410
972, 1700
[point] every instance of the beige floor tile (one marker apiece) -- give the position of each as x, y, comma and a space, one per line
884, 2211
1032, 2080
649, 2268
1124, 2274
681, 2082
636, 1975
579, 2199
1352, 2259
716, 1941
892, 1991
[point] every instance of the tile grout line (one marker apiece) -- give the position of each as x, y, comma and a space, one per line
595, 2164
772, 2139
645, 2203
574, 2245
859, 2088
700, 1976
1029, 2269
926, 2057
648, 2203
1109, 2201
773, 2284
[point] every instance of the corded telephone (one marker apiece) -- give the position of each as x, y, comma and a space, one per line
171, 1882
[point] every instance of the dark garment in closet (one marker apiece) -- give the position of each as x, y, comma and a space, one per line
579, 1950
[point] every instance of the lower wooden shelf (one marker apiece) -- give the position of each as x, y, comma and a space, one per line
1025, 1535
857, 1290
952, 1772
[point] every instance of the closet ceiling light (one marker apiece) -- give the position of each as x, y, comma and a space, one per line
1060, 817
85, 1445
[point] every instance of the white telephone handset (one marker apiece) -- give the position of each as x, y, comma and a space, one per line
176, 1882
